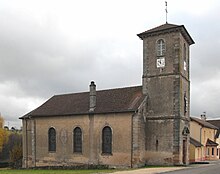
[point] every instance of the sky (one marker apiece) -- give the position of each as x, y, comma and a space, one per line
50, 47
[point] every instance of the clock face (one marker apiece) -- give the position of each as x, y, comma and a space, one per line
161, 62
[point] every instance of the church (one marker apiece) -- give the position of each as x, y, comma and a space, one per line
123, 127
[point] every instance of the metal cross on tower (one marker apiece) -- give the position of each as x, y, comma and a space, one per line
166, 10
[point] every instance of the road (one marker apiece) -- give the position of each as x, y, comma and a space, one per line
212, 168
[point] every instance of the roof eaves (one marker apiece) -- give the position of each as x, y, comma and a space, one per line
75, 114
211, 143
155, 32
180, 28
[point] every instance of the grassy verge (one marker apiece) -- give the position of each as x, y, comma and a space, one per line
10, 171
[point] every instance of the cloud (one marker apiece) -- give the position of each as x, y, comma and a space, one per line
49, 47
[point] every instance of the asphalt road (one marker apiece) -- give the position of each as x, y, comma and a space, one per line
212, 168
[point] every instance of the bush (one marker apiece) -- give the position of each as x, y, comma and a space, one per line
12, 150
4, 164
16, 156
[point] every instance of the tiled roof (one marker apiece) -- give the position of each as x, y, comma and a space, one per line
211, 143
161, 27
107, 101
203, 123
195, 142
217, 124
167, 28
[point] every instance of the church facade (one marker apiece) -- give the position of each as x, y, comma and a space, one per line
124, 127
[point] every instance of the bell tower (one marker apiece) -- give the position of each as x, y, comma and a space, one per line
166, 83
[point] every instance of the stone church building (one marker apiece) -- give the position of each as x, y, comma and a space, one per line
123, 127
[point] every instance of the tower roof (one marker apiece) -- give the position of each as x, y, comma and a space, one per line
167, 28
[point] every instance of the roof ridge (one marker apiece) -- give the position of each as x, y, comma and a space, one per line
110, 89
214, 119
118, 88
204, 122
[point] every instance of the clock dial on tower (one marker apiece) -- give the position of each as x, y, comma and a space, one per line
160, 62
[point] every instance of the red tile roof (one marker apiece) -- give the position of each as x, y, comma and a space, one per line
168, 28
108, 101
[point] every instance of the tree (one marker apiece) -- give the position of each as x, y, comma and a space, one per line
1, 121
16, 156
10, 147
3, 138
3, 133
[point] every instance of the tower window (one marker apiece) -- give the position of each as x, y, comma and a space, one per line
157, 143
184, 52
107, 140
161, 47
77, 137
52, 140
185, 103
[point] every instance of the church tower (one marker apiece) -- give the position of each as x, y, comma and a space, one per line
166, 84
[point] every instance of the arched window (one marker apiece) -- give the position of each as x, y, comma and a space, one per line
52, 140
161, 47
184, 52
107, 140
77, 138
185, 103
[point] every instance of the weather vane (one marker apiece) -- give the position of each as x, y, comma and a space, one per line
166, 10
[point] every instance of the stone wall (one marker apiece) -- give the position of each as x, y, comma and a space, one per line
166, 88
91, 126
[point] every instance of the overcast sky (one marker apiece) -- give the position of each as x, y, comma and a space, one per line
50, 47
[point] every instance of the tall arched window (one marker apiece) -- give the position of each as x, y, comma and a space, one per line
161, 47
77, 138
52, 140
107, 140
185, 103
184, 52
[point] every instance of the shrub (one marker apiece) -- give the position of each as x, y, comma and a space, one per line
16, 156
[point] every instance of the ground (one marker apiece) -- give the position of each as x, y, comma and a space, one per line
136, 171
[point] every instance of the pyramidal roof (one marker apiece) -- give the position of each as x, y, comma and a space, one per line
162, 27
166, 28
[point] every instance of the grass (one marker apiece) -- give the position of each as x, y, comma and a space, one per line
84, 171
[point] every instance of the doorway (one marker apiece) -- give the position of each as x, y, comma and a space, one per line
184, 151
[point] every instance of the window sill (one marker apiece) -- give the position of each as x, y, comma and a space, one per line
77, 153
107, 154
160, 56
51, 151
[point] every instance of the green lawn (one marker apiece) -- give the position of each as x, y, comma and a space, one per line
10, 171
